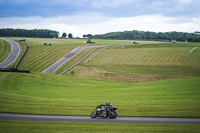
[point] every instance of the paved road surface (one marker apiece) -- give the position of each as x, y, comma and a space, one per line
64, 59
13, 55
147, 120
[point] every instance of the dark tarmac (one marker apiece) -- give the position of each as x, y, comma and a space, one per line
144, 120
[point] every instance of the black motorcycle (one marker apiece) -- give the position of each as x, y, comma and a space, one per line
105, 112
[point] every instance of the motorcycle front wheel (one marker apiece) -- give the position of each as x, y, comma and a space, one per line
113, 114
93, 115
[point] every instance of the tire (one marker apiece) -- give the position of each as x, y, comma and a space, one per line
113, 115
93, 115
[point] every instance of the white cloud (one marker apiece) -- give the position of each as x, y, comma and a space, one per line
110, 3
98, 24
185, 1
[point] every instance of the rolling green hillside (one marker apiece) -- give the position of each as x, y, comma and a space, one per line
142, 57
152, 60
165, 60
145, 61
5, 49
39, 57
40, 93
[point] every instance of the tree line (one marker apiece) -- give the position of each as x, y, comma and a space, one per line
40, 33
148, 35
64, 35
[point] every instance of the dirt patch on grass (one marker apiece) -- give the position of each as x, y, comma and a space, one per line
87, 72
138, 77
94, 73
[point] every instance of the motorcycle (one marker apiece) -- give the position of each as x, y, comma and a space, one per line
105, 112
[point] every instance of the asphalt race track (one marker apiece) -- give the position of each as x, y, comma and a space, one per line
145, 120
13, 55
64, 59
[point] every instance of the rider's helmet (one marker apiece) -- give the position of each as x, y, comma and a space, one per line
107, 104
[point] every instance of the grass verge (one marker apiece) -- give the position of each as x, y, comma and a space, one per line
60, 95
5, 50
84, 127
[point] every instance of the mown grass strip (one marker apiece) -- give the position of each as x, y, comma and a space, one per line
85, 127
43, 57
5, 50
148, 56
39, 57
150, 59
193, 59
61, 95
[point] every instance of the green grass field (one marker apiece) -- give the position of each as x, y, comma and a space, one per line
167, 60
60, 95
142, 57
147, 59
100, 78
83, 127
5, 49
39, 57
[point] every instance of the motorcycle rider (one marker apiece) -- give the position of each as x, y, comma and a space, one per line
104, 107
105, 110
107, 104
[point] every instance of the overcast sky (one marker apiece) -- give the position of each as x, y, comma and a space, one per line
101, 16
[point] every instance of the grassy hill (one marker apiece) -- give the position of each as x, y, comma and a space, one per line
5, 49
155, 61
40, 93
165, 59
39, 57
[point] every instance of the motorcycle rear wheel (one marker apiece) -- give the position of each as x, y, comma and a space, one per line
93, 115
113, 115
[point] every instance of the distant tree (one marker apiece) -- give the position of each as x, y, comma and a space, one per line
196, 40
97, 37
70, 35
52, 35
64, 35
90, 36
190, 39
181, 39
84, 35
28, 33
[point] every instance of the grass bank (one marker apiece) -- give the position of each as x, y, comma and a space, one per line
150, 61
39, 57
60, 95
5, 49
84, 127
